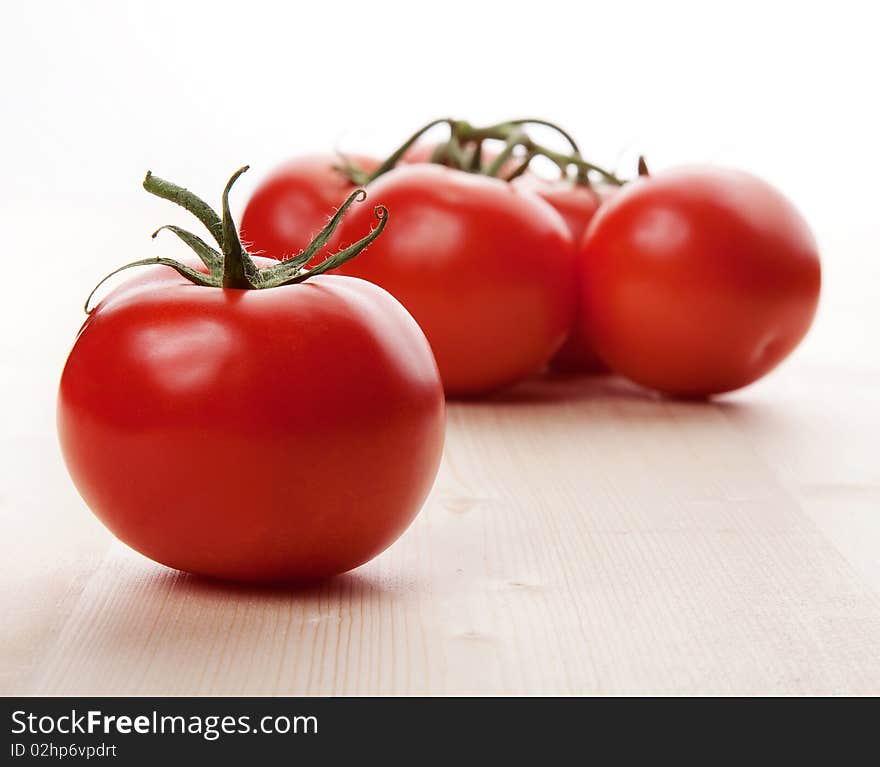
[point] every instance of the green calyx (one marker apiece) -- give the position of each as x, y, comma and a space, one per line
463, 150
232, 266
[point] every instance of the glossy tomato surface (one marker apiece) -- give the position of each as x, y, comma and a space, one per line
291, 206
577, 204
486, 270
254, 435
698, 281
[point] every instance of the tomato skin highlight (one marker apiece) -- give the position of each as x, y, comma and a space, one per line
698, 281
486, 270
252, 435
292, 204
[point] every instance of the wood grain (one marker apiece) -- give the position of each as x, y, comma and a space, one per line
582, 538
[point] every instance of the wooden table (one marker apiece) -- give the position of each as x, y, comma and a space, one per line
583, 537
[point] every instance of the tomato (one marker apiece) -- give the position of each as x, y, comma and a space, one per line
486, 270
577, 204
267, 435
698, 281
252, 435
289, 207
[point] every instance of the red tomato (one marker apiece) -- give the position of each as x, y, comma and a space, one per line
577, 355
698, 281
291, 205
577, 204
486, 270
255, 435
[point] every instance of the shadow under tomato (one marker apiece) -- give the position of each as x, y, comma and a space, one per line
157, 631
353, 584
554, 387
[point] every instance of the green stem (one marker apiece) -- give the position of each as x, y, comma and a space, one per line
462, 132
505, 154
475, 161
395, 157
563, 160
455, 153
440, 154
521, 168
239, 270
503, 132
547, 124
582, 177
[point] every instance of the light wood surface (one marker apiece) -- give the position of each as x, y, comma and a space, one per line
583, 537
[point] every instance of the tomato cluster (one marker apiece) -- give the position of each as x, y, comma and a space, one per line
248, 416
693, 282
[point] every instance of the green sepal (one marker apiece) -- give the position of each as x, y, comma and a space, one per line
234, 267
193, 275
188, 201
209, 257
239, 269
338, 259
281, 273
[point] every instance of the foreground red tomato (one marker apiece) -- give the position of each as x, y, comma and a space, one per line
698, 281
486, 270
293, 203
577, 204
258, 435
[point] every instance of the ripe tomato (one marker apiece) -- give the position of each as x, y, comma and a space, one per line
254, 421
698, 281
577, 204
486, 270
293, 203
254, 435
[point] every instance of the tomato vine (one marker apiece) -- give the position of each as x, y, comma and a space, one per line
464, 150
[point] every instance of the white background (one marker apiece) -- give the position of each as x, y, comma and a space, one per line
96, 93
